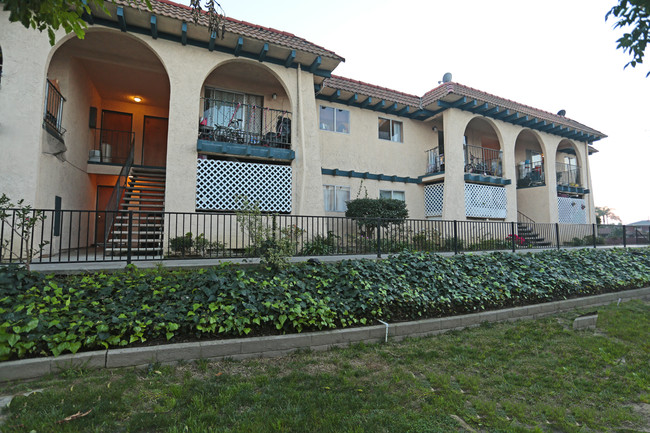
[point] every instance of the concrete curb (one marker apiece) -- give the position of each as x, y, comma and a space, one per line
279, 345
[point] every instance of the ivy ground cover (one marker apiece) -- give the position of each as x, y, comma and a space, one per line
528, 376
50, 315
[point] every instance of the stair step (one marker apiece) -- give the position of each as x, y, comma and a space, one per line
147, 174
144, 199
150, 194
128, 205
147, 170
145, 183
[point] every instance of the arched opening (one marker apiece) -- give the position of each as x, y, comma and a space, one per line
572, 206
244, 133
115, 84
529, 157
567, 167
482, 149
244, 103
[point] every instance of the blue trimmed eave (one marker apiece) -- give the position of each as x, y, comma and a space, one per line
248, 150
371, 176
517, 118
572, 189
377, 105
492, 180
182, 38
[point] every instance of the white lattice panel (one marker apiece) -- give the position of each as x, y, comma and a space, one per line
485, 201
221, 184
433, 199
571, 210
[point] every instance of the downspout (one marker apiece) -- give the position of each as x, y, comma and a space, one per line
301, 135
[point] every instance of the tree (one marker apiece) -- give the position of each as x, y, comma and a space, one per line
50, 15
603, 214
634, 14
368, 212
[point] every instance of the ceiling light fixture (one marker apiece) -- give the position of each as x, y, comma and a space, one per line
137, 99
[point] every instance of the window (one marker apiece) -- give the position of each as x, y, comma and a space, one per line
396, 195
336, 198
234, 110
334, 119
390, 130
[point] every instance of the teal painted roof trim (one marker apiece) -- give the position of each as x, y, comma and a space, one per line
480, 178
380, 106
250, 150
211, 45
371, 176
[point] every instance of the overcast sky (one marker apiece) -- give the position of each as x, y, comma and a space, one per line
551, 55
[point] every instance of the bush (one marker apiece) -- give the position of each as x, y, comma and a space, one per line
321, 245
367, 211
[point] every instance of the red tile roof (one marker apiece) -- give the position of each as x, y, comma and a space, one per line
265, 34
451, 88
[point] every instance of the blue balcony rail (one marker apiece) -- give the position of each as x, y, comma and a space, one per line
234, 122
568, 174
530, 174
435, 161
482, 160
110, 146
53, 116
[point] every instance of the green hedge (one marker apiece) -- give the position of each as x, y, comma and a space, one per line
45, 315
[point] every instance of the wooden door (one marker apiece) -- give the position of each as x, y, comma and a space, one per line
116, 133
103, 196
154, 142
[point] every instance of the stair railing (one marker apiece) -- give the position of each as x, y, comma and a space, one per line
118, 190
523, 219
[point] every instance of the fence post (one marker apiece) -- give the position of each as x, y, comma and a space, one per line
512, 230
594, 234
455, 237
557, 234
129, 239
624, 237
379, 238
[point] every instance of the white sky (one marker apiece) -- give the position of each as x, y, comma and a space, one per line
548, 54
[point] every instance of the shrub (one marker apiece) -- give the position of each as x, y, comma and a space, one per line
321, 245
367, 211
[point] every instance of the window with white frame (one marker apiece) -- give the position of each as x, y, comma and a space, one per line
395, 195
334, 119
390, 130
336, 198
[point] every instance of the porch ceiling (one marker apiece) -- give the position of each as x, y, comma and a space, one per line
120, 68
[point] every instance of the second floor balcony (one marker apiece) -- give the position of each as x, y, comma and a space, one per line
484, 161
244, 124
435, 162
530, 174
568, 175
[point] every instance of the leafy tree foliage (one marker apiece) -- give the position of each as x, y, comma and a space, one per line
366, 211
634, 14
605, 214
50, 15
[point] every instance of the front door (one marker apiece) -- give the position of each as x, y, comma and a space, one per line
154, 142
116, 136
103, 196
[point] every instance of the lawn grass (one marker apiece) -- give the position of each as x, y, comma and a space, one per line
536, 375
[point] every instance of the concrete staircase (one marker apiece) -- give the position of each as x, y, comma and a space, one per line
534, 239
144, 197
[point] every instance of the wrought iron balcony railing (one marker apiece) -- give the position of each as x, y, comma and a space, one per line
53, 115
110, 146
530, 174
234, 122
436, 161
482, 160
568, 174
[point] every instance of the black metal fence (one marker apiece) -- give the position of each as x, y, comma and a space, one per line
64, 236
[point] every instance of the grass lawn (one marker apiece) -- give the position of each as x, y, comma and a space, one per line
528, 376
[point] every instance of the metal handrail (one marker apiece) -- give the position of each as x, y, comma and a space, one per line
483, 160
116, 196
521, 218
435, 161
567, 174
53, 115
234, 122
112, 146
